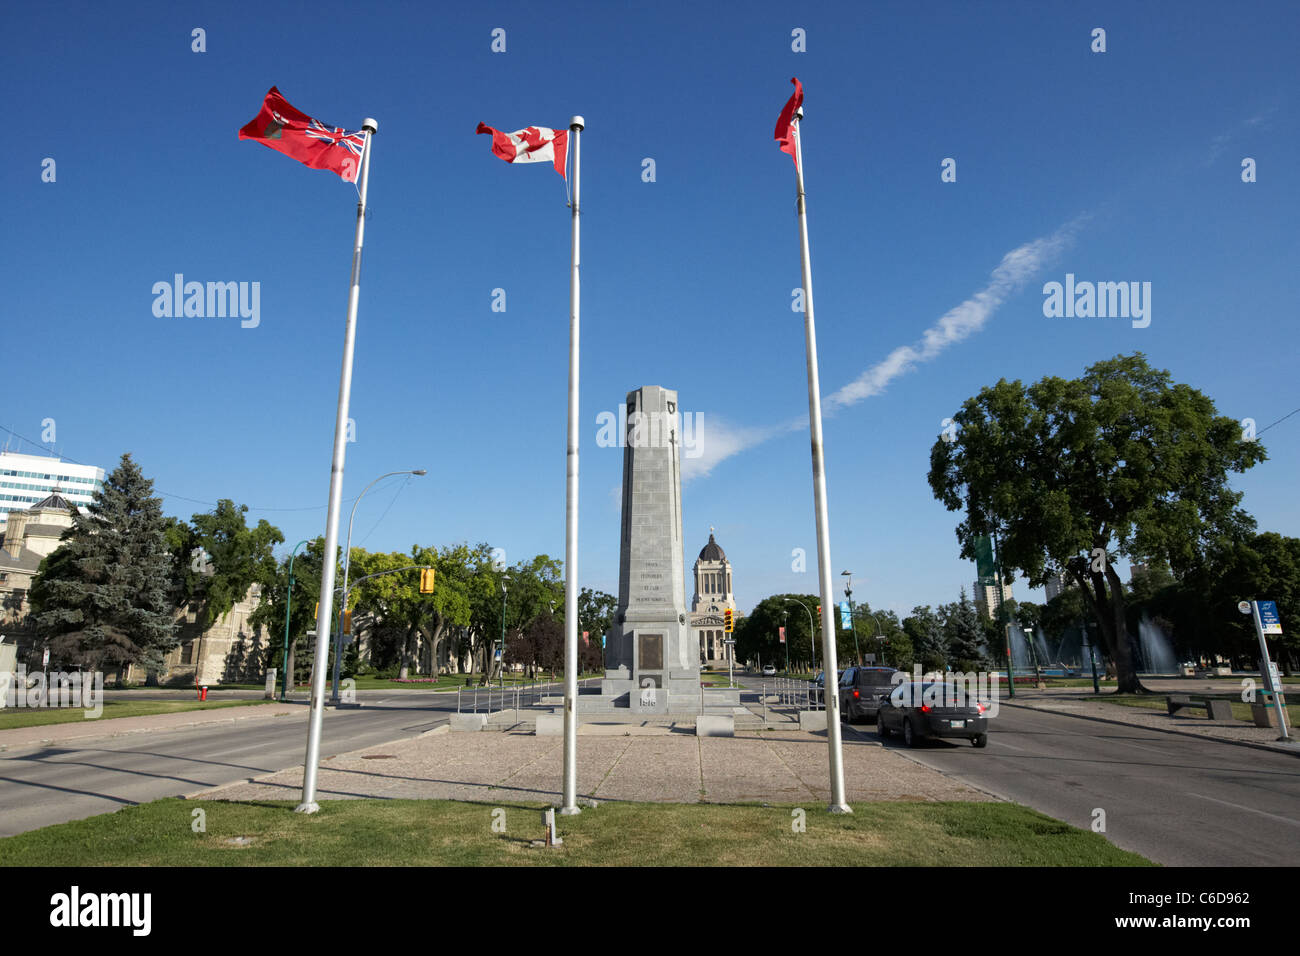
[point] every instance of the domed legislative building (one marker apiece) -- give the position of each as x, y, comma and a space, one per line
713, 595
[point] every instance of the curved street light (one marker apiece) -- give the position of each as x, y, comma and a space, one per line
347, 564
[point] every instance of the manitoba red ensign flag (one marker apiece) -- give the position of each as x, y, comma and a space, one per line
536, 144
309, 141
784, 132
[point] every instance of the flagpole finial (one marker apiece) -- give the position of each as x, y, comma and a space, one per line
371, 125
798, 114
577, 123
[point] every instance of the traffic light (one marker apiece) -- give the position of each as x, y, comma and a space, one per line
728, 619
426, 580
347, 622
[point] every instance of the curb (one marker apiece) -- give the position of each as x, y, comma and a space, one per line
198, 794
1160, 730
109, 734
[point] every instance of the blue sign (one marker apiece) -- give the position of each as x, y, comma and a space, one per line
1268, 617
846, 617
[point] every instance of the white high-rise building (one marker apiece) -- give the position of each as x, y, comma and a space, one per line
27, 479
988, 599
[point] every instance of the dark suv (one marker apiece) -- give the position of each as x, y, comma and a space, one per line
861, 689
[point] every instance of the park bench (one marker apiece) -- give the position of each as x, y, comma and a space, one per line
1216, 708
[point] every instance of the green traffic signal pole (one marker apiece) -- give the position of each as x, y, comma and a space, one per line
1006, 627
288, 605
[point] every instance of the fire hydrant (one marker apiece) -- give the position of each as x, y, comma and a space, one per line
203, 693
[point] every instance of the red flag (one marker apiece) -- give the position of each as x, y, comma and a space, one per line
784, 133
309, 141
536, 144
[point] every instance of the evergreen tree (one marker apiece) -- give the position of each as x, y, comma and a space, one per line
965, 636
102, 599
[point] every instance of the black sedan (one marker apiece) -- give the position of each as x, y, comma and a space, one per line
919, 711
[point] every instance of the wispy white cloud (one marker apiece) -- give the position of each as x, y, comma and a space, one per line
958, 323
720, 440
1220, 142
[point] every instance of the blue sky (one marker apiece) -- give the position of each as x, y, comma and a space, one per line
1115, 166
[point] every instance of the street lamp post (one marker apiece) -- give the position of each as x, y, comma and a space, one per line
1038, 666
288, 605
347, 565
504, 579
812, 630
880, 636
848, 595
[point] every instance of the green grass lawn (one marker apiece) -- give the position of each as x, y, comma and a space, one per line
36, 717
447, 833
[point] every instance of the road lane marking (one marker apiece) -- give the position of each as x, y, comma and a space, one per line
1262, 813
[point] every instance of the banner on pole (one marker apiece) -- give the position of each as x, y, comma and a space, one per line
846, 615
782, 631
984, 561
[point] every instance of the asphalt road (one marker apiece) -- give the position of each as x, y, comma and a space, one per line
1181, 801
84, 777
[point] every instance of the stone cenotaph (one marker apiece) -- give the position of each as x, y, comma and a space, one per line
650, 663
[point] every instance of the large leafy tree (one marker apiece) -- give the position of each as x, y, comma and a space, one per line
270, 613
217, 558
102, 599
595, 616
1068, 473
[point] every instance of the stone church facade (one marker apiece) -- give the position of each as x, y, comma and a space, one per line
713, 595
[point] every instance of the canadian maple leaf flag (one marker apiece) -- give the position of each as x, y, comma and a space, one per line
536, 144
309, 141
784, 125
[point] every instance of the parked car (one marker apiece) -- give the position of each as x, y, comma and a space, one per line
921, 710
769, 670
861, 689
819, 685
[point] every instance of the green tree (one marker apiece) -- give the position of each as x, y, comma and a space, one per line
963, 635
1067, 473
217, 558
102, 599
924, 629
595, 617
270, 613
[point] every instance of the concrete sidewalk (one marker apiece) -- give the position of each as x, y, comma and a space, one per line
671, 767
115, 726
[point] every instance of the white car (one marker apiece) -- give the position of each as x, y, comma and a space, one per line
769, 670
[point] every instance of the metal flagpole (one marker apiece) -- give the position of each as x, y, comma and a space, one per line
323, 615
570, 806
832, 694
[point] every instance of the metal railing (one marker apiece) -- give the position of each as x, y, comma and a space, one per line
493, 698
784, 693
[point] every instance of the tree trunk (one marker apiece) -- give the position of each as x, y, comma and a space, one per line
405, 669
1125, 672
1108, 611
